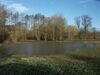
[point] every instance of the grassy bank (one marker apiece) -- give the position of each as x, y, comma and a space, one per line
85, 62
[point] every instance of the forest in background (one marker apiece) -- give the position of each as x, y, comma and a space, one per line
20, 27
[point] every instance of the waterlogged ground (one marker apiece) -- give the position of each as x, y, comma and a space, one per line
85, 62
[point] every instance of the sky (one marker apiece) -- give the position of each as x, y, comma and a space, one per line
67, 8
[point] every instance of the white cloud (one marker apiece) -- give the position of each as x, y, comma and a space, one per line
18, 7
14, 6
5, 2
85, 1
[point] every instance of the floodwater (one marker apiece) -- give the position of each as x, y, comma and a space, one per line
44, 47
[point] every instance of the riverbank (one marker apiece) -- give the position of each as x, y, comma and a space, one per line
81, 63
84, 41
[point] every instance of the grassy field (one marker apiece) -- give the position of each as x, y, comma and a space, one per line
80, 62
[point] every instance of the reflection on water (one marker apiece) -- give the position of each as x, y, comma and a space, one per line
43, 48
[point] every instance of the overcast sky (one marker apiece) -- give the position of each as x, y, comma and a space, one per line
68, 8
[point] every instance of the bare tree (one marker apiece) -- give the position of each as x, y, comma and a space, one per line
3, 17
58, 23
3, 14
15, 21
53, 23
61, 27
38, 21
46, 28
86, 22
94, 33
78, 23
26, 20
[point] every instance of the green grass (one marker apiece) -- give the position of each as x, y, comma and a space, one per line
90, 52
84, 62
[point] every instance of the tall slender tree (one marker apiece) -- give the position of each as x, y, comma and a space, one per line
78, 23
86, 22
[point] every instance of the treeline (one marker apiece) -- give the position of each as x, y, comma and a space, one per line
15, 27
